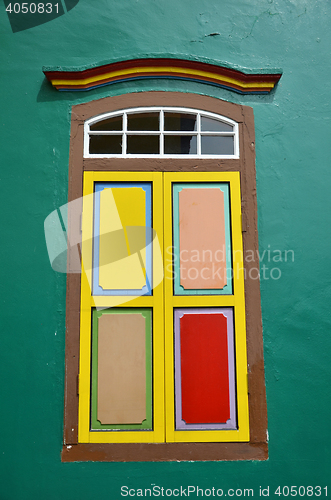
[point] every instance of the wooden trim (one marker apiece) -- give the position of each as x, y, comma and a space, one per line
257, 448
161, 165
75, 190
163, 452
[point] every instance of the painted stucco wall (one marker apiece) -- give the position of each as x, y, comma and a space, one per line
293, 185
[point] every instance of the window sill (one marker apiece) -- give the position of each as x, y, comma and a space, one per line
163, 452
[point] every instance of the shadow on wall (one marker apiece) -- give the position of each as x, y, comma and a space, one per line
29, 14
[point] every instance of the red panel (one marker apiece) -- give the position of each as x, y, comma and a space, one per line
204, 368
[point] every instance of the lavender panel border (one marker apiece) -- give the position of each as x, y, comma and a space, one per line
231, 424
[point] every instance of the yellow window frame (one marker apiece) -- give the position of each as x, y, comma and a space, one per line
162, 303
88, 302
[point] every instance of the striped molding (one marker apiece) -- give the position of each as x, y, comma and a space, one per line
179, 69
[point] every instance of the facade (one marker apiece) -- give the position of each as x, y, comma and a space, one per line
261, 71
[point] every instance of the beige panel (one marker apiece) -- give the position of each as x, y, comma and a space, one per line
121, 369
202, 238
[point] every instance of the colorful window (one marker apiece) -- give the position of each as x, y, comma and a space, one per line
166, 324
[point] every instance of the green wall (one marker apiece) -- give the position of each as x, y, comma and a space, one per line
293, 186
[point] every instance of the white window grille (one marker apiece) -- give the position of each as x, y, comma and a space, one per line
153, 132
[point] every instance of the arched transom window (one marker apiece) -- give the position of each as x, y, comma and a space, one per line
167, 132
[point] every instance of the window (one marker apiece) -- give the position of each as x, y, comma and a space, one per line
166, 371
166, 132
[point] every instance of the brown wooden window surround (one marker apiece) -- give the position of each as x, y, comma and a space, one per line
240, 159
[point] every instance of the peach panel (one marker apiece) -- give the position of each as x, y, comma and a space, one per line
202, 238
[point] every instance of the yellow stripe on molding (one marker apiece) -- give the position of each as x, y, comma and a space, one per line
166, 69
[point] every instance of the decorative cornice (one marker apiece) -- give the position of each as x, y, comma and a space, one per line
179, 69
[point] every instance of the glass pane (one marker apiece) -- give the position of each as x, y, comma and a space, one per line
143, 121
180, 121
101, 144
143, 144
180, 144
114, 123
210, 125
217, 145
